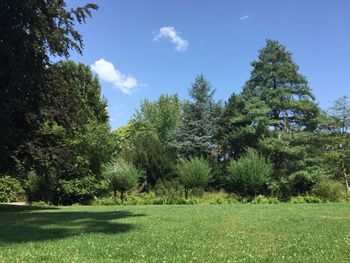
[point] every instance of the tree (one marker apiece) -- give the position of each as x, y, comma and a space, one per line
192, 173
336, 125
155, 160
163, 115
30, 32
74, 140
147, 140
197, 129
86, 92
241, 125
122, 138
275, 79
121, 176
291, 112
249, 174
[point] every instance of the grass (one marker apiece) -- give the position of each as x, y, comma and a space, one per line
177, 233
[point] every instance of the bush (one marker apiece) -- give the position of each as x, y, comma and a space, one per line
121, 177
260, 199
249, 174
193, 173
329, 190
170, 191
302, 181
219, 197
10, 189
35, 186
107, 200
302, 199
152, 198
78, 190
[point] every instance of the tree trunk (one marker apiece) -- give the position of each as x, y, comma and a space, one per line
122, 196
346, 180
186, 193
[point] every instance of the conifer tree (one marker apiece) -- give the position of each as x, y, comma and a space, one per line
289, 112
197, 130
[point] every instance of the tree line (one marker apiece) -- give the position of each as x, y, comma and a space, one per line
56, 144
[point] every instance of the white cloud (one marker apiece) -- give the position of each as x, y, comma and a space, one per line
247, 16
107, 72
244, 17
170, 33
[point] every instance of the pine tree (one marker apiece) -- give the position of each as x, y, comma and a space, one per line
241, 124
197, 130
289, 108
276, 81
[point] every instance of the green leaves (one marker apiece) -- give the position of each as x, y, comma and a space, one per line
194, 172
197, 130
121, 176
163, 115
276, 81
249, 174
31, 33
10, 189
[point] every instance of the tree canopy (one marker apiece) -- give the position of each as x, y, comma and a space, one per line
57, 146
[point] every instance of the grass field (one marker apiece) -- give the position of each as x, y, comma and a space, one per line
188, 233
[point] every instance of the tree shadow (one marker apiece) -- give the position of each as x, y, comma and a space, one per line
26, 226
23, 208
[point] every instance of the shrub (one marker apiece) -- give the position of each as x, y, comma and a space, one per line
302, 181
260, 199
249, 174
40, 203
219, 197
78, 190
329, 190
106, 200
193, 173
302, 199
347, 197
165, 187
170, 191
10, 189
152, 198
121, 176
35, 186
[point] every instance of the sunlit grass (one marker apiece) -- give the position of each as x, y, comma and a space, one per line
177, 233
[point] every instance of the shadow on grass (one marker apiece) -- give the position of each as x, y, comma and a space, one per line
23, 208
20, 225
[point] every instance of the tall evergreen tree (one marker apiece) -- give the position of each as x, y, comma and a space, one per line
198, 126
276, 81
241, 124
289, 108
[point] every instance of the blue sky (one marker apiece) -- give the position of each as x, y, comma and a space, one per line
141, 49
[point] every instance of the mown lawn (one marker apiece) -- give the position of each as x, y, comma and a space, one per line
183, 233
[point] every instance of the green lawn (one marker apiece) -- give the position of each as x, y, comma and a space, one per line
183, 233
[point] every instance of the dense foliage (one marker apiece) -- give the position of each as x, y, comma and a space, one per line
249, 175
192, 173
10, 189
30, 32
271, 138
121, 177
197, 129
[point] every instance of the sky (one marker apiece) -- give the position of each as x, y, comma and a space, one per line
140, 49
